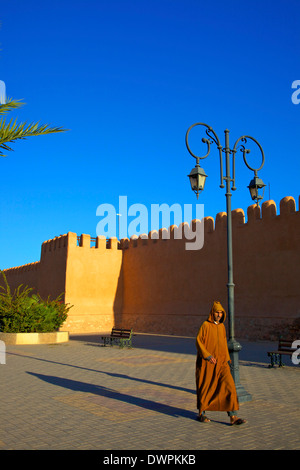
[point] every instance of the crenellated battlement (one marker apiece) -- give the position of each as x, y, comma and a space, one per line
62, 242
185, 231
98, 243
26, 275
22, 269
55, 243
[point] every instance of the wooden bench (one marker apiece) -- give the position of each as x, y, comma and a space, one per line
284, 349
120, 336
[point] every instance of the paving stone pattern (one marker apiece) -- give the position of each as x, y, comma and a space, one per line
82, 396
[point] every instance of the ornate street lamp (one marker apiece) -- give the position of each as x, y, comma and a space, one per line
197, 179
257, 189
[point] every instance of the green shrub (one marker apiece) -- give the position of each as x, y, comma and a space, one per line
24, 312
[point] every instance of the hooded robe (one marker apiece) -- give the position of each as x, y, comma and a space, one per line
214, 383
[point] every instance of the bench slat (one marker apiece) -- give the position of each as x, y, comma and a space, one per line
121, 336
281, 352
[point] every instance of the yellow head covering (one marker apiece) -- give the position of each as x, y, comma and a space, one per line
215, 308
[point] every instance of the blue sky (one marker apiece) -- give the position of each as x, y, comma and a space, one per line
128, 78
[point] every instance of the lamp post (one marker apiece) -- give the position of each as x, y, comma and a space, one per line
256, 187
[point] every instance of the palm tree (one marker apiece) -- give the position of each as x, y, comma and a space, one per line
12, 131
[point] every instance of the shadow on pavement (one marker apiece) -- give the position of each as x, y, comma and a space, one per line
111, 374
114, 395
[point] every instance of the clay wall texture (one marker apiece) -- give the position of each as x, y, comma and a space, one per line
155, 285
89, 277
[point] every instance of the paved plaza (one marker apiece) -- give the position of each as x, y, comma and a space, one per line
80, 395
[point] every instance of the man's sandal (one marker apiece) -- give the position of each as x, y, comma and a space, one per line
238, 421
203, 419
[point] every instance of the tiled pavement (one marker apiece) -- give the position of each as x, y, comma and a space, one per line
82, 396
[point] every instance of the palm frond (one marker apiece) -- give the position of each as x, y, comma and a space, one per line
12, 131
10, 105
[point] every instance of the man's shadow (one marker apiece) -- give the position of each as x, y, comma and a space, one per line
115, 395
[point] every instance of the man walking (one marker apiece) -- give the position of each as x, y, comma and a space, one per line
214, 383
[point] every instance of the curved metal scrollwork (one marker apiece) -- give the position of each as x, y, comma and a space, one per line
212, 138
247, 151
